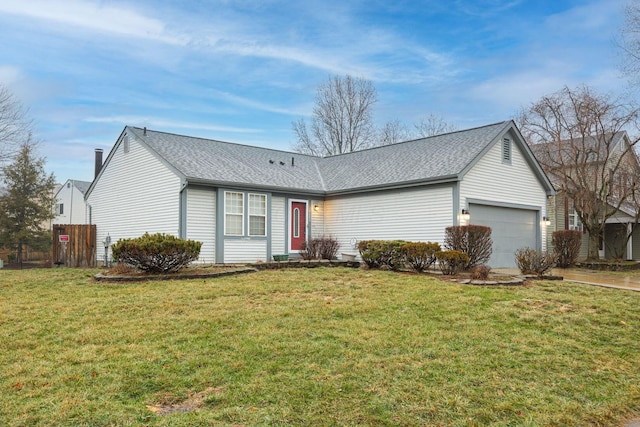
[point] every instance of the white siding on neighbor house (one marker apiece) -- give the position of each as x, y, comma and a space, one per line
136, 193
201, 221
73, 205
278, 225
417, 214
244, 250
317, 219
510, 183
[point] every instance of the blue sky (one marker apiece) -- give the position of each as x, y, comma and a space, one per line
242, 71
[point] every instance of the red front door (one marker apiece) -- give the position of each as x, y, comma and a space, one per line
298, 225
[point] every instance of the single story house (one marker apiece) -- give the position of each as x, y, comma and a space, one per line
248, 203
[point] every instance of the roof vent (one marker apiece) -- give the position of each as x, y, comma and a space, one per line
293, 161
98, 162
271, 161
281, 163
144, 131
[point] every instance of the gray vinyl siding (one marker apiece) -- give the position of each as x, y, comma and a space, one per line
201, 221
636, 243
555, 217
244, 250
278, 225
317, 219
515, 183
417, 214
135, 194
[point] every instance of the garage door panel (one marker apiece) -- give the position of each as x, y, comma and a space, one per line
511, 229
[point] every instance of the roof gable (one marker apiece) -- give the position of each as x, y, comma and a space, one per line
439, 158
81, 186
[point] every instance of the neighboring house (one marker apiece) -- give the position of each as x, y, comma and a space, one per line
70, 207
246, 203
562, 212
48, 224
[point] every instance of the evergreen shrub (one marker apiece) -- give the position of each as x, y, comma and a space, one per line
156, 253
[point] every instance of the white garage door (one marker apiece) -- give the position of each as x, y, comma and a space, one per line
511, 229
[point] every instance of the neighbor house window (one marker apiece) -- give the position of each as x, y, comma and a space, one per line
59, 209
574, 220
506, 150
233, 213
257, 215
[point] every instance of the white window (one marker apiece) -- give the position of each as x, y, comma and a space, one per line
257, 215
233, 213
574, 220
59, 209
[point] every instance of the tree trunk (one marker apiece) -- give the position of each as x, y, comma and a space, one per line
19, 254
593, 253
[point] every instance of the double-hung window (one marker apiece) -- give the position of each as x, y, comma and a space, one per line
233, 213
237, 218
574, 220
257, 215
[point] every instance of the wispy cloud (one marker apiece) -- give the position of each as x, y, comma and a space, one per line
93, 16
164, 124
9, 74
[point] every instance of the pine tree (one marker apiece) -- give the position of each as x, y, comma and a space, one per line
27, 202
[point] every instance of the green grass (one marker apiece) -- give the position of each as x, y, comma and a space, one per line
315, 347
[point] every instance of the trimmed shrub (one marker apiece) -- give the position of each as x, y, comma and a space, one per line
320, 248
382, 253
156, 253
309, 249
452, 262
480, 272
328, 247
531, 261
566, 246
419, 255
473, 240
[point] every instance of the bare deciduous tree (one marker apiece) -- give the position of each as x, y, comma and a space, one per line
630, 41
14, 127
394, 131
342, 118
576, 136
433, 125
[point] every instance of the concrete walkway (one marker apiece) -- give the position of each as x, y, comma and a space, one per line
606, 279
619, 280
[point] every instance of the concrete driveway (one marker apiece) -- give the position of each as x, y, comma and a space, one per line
620, 280
601, 278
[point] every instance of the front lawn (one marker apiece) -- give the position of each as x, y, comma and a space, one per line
314, 347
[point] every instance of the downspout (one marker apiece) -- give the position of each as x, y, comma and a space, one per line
71, 207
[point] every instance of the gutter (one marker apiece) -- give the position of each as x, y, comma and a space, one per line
367, 189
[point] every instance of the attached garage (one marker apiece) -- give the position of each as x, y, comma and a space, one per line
511, 229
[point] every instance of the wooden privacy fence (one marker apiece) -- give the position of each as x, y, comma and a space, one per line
74, 245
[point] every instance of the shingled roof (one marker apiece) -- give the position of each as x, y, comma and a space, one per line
437, 158
82, 186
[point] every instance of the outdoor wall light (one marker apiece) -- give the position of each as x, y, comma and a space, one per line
546, 221
465, 215
316, 208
